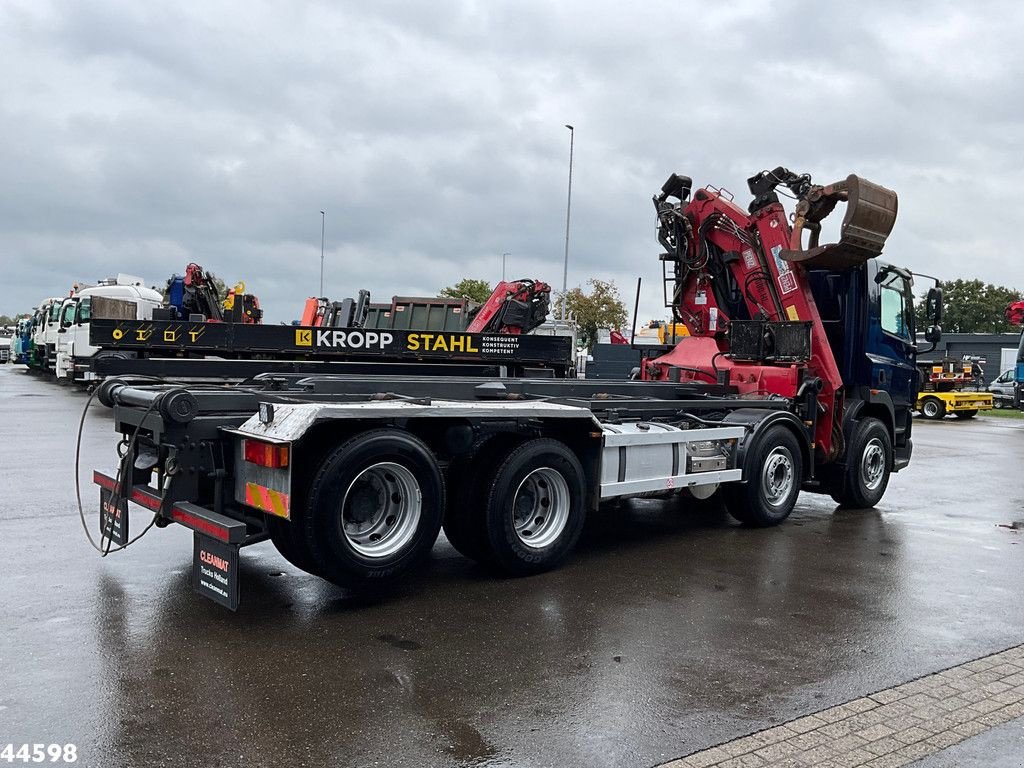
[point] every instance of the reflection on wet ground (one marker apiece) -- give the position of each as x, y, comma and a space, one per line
672, 629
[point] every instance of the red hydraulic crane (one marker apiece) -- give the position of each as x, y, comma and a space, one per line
739, 284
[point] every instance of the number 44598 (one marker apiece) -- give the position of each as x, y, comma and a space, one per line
39, 753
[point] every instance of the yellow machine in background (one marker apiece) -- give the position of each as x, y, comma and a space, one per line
942, 391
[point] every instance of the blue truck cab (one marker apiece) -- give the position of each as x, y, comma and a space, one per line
868, 315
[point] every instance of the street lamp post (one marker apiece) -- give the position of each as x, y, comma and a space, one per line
568, 209
506, 253
323, 225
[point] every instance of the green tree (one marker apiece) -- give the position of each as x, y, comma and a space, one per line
602, 307
468, 288
972, 306
12, 319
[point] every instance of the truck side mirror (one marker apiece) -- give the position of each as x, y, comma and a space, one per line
933, 307
934, 334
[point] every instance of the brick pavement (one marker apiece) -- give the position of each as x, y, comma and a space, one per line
887, 729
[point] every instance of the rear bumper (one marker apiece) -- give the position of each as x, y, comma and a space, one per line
193, 516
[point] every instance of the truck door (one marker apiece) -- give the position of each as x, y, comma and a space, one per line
891, 348
82, 316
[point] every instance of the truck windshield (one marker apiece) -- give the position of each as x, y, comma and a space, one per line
54, 311
67, 316
897, 308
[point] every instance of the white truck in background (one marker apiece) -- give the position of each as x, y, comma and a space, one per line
124, 297
7, 343
44, 333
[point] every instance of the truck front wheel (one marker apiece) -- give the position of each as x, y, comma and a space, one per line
773, 478
933, 408
375, 508
868, 463
534, 513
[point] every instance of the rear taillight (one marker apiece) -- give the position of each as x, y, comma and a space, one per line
271, 455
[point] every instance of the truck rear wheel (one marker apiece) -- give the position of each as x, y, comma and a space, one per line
773, 476
289, 540
534, 511
374, 509
469, 481
933, 408
868, 464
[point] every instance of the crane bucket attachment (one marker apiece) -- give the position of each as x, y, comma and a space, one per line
870, 215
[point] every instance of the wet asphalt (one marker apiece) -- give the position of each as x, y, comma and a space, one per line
669, 631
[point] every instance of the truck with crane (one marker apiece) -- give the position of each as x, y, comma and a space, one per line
195, 294
504, 336
798, 373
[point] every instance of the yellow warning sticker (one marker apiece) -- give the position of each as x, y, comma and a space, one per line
791, 313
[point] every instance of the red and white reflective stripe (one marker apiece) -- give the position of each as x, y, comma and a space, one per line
268, 500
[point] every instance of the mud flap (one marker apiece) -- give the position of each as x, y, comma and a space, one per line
215, 570
870, 216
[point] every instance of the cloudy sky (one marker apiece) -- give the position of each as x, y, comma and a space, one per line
137, 137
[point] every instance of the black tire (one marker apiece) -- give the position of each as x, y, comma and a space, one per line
933, 408
862, 483
464, 493
288, 538
469, 480
374, 509
966, 414
537, 493
773, 470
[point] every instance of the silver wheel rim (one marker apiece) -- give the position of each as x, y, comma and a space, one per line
540, 509
381, 510
777, 476
931, 409
872, 464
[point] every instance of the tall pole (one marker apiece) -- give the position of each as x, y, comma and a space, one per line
323, 225
568, 210
506, 253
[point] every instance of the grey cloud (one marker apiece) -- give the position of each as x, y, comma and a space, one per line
138, 137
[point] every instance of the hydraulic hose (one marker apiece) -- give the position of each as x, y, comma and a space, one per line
104, 547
